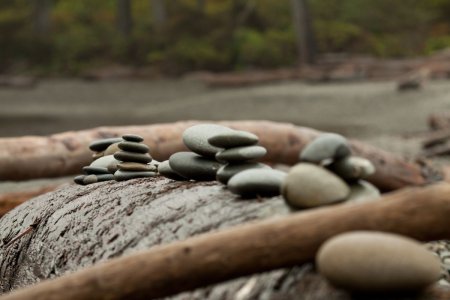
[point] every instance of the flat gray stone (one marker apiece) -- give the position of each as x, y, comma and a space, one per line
352, 168
89, 179
362, 191
235, 138
327, 146
133, 138
365, 261
226, 172
79, 179
133, 166
105, 177
240, 154
308, 185
256, 182
133, 147
127, 175
95, 170
101, 145
196, 138
165, 170
193, 166
127, 156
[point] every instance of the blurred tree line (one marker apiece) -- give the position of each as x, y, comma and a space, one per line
174, 36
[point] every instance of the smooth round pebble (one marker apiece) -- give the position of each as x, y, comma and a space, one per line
133, 157
365, 261
101, 145
352, 168
362, 191
256, 182
193, 166
327, 146
308, 185
226, 172
113, 148
165, 170
240, 154
196, 138
126, 175
133, 138
79, 179
104, 162
89, 179
235, 138
133, 147
133, 166
95, 170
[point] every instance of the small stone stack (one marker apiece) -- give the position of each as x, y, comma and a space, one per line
240, 151
328, 173
134, 159
200, 164
100, 169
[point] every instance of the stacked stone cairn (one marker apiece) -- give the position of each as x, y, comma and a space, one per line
221, 153
118, 159
327, 174
134, 159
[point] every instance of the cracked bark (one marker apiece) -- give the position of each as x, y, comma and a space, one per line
79, 226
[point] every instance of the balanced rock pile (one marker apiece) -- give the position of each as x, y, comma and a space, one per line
327, 174
227, 155
118, 159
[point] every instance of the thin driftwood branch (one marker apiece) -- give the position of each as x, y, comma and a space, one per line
65, 153
420, 213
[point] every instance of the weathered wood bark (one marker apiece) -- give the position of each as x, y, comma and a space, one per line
80, 226
66, 153
304, 32
124, 17
41, 17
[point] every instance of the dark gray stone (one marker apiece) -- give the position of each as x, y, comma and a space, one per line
328, 146
127, 175
165, 170
133, 147
240, 154
133, 157
257, 182
79, 179
133, 138
101, 145
226, 172
95, 170
105, 177
193, 166
196, 138
133, 166
235, 138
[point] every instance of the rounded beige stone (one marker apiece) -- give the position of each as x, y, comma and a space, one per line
367, 261
308, 185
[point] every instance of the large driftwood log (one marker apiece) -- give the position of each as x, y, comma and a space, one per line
77, 227
66, 153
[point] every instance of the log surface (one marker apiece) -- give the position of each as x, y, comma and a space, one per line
66, 153
76, 227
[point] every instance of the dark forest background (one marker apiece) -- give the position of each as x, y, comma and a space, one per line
176, 36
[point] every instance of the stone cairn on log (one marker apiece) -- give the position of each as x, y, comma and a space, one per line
326, 174
118, 159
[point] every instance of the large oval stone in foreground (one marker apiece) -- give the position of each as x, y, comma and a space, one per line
256, 182
196, 138
193, 166
308, 185
367, 261
327, 146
